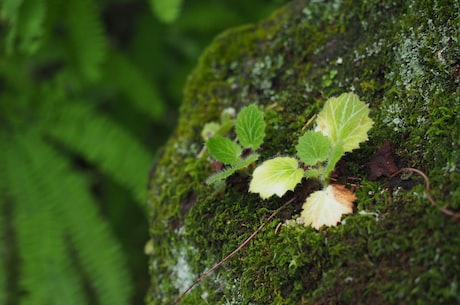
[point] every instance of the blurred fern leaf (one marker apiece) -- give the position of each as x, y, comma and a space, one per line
129, 80
25, 19
93, 136
87, 40
59, 233
55, 245
84, 89
166, 11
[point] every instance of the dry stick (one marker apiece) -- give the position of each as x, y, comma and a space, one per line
446, 211
309, 122
234, 251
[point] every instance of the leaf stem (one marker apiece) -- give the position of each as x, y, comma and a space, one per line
430, 198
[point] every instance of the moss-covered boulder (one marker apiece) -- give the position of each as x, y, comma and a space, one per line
403, 59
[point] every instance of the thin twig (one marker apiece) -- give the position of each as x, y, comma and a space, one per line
309, 122
430, 198
234, 251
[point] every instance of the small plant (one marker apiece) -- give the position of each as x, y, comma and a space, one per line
250, 132
341, 126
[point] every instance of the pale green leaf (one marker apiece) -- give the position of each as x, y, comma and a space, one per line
228, 114
227, 121
225, 127
326, 207
313, 148
345, 119
250, 127
276, 176
230, 170
224, 150
209, 130
312, 173
335, 153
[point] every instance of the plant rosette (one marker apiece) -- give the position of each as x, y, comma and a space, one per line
342, 125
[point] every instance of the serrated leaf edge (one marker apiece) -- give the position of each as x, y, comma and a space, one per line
245, 120
229, 170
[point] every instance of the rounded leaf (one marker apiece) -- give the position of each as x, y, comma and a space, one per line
209, 130
326, 207
224, 149
276, 176
313, 147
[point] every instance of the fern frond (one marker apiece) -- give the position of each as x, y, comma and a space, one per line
228, 171
10, 13
130, 81
44, 262
88, 45
26, 20
56, 221
5, 250
8, 249
106, 145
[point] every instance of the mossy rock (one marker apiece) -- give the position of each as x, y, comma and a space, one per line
402, 58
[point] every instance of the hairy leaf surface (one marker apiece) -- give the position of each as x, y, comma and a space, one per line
250, 127
224, 149
230, 170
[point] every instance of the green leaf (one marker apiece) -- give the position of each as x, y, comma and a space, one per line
313, 148
86, 36
327, 206
225, 127
166, 10
312, 173
209, 130
107, 156
26, 24
276, 176
345, 119
250, 127
224, 150
133, 85
227, 172
335, 154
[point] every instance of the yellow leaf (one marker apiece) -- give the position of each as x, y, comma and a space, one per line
276, 176
327, 206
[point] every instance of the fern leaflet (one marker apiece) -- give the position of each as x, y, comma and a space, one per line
228, 171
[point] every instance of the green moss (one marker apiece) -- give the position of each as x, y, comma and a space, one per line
401, 58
